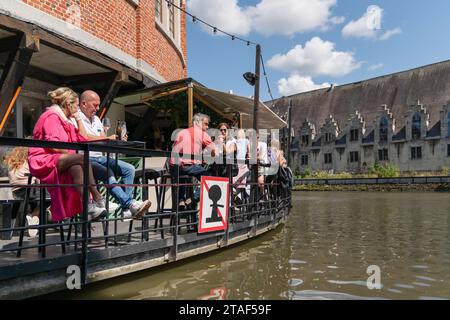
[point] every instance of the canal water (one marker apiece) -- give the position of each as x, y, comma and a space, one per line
323, 252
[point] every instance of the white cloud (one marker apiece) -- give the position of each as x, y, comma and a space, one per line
388, 34
375, 67
288, 17
367, 26
317, 57
298, 84
268, 17
226, 15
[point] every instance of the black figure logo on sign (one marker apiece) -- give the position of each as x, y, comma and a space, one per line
215, 194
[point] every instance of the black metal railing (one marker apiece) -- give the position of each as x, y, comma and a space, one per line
246, 208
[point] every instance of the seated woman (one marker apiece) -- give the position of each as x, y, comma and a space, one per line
58, 166
17, 162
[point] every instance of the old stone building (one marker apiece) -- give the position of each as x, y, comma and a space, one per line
402, 119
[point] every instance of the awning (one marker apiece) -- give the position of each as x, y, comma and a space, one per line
225, 104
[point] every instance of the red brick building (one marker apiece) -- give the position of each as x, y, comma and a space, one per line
111, 46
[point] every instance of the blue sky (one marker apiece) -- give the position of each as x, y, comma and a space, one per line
324, 54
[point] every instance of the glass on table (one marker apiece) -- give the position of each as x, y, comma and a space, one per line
106, 125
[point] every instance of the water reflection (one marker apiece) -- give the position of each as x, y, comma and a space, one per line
322, 253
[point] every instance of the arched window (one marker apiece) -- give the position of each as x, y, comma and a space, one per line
448, 125
383, 129
416, 126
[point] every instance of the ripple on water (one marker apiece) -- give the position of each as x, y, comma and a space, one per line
295, 261
358, 283
420, 267
425, 278
295, 282
323, 295
404, 286
421, 284
394, 290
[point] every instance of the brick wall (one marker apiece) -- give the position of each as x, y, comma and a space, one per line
129, 28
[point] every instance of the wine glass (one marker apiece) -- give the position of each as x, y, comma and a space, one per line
106, 125
124, 130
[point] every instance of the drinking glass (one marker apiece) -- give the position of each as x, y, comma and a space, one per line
106, 125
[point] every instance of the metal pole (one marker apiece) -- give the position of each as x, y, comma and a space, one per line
255, 128
256, 97
84, 219
289, 134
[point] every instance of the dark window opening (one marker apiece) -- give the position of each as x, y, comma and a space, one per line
383, 130
354, 135
328, 158
416, 153
354, 156
305, 140
416, 126
304, 160
383, 155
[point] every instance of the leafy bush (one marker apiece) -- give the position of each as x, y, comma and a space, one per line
384, 170
306, 173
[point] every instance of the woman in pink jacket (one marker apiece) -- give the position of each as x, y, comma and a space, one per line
58, 166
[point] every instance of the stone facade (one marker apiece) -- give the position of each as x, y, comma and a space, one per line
351, 127
416, 147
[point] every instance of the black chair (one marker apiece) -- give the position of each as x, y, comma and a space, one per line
42, 221
150, 175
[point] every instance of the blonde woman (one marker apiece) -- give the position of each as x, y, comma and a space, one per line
58, 166
17, 162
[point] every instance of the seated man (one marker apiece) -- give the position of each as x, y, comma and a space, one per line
191, 141
91, 128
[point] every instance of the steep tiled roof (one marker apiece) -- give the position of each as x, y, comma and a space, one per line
429, 84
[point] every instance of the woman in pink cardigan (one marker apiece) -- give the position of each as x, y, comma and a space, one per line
58, 166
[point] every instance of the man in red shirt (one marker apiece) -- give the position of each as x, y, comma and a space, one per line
187, 152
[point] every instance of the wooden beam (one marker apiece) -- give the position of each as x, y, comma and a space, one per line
190, 103
44, 75
13, 76
211, 106
68, 46
87, 79
166, 93
111, 90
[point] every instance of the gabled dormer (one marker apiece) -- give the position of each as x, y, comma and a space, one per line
329, 130
417, 122
384, 126
445, 120
307, 134
356, 128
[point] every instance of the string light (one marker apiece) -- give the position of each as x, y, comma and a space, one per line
233, 37
215, 29
267, 80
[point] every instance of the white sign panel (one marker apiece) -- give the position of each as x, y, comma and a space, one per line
214, 204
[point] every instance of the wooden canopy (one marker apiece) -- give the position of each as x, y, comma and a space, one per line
225, 104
